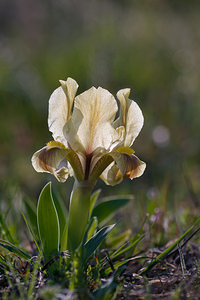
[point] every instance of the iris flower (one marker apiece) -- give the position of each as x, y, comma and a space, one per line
88, 141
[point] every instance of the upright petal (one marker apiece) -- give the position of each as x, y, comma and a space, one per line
130, 117
92, 118
60, 106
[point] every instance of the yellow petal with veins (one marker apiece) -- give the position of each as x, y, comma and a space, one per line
125, 150
92, 118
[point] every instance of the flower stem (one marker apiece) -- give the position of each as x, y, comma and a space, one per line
78, 214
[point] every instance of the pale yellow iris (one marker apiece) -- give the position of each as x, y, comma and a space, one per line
88, 141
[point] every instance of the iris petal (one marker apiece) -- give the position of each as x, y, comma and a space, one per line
48, 160
92, 118
131, 117
129, 165
51, 159
60, 106
126, 165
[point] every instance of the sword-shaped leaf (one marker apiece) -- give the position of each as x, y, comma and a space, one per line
92, 244
48, 223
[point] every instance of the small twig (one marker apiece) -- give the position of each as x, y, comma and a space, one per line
110, 261
30, 243
184, 243
54, 259
183, 266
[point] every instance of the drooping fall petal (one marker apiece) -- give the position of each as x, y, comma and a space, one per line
92, 118
127, 165
60, 106
110, 176
52, 159
48, 160
130, 117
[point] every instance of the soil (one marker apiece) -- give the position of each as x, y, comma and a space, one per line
176, 277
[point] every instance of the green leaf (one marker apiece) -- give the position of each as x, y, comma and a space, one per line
92, 228
91, 245
12, 248
64, 239
48, 223
62, 212
105, 210
93, 200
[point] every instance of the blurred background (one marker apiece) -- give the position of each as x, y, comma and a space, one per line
151, 46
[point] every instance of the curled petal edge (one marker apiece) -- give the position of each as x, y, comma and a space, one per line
130, 166
119, 164
114, 166
49, 158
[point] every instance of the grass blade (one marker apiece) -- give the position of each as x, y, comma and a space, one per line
116, 266
3, 263
6, 230
32, 217
133, 244
33, 235
12, 248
